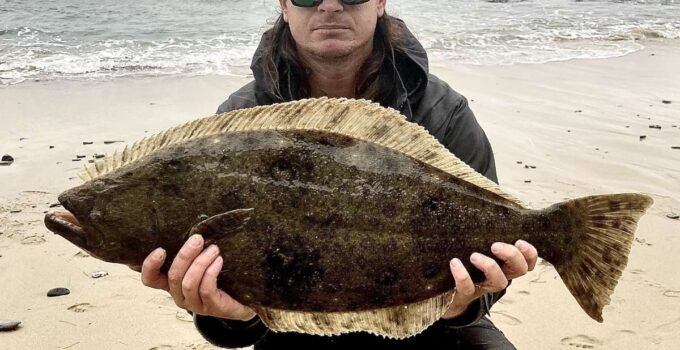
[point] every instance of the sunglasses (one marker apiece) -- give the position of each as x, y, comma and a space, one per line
312, 3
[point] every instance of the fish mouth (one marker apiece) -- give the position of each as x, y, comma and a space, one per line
66, 225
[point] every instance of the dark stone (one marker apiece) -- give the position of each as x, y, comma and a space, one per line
15, 211
673, 216
97, 156
75, 160
9, 325
642, 137
55, 292
87, 142
112, 141
666, 102
51, 146
80, 156
655, 127
6, 160
527, 181
675, 147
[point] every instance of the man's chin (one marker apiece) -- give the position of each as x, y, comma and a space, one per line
333, 49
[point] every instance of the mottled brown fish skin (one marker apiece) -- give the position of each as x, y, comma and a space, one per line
338, 224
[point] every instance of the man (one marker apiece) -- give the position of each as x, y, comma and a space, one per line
351, 48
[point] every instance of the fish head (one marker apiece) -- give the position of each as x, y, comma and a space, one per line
107, 218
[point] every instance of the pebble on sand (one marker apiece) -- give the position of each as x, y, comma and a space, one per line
655, 127
666, 102
673, 216
87, 142
97, 155
55, 292
51, 146
6, 160
99, 274
675, 147
527, 181
8, 325
642, 137
112, 141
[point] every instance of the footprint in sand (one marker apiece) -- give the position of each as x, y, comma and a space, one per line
672, 293
506, 319
82, 307
582, 342
201, 346
540, 278
35, 239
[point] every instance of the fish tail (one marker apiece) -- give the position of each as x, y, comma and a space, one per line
603, 237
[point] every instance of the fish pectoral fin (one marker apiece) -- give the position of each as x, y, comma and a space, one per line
221, 225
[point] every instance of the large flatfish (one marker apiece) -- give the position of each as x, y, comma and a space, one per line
333, 216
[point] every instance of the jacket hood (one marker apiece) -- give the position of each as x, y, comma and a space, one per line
411, 64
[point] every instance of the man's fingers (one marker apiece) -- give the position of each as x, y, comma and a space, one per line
215, 299
530, 253
192, 279
151, 270
464, 285
495, 278
514, 262
180, 265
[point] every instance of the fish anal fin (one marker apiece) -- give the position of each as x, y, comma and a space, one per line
396, 322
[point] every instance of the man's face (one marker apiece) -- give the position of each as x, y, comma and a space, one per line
332, 29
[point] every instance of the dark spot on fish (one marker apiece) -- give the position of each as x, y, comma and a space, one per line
282, 169
231, 199
387, 278
292, 270
292, 166
389, 210
430, 205
170, 189
174, 165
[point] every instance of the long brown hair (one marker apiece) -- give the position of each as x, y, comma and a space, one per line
288, 79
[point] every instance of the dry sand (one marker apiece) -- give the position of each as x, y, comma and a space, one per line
577, 122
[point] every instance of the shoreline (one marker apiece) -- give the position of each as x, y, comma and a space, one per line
578, 122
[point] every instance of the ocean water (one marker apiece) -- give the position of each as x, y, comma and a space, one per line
102, 39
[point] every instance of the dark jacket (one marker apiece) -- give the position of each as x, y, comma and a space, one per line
424, 99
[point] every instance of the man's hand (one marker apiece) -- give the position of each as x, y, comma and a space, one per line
517, 261
192, 281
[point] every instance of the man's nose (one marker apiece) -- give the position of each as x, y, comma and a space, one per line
331, 6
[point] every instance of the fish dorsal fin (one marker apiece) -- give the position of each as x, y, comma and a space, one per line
396, 322
359, 119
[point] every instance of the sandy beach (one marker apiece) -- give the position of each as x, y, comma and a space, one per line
579, 123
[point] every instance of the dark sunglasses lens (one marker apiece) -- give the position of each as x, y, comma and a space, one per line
305, 3
310, 3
